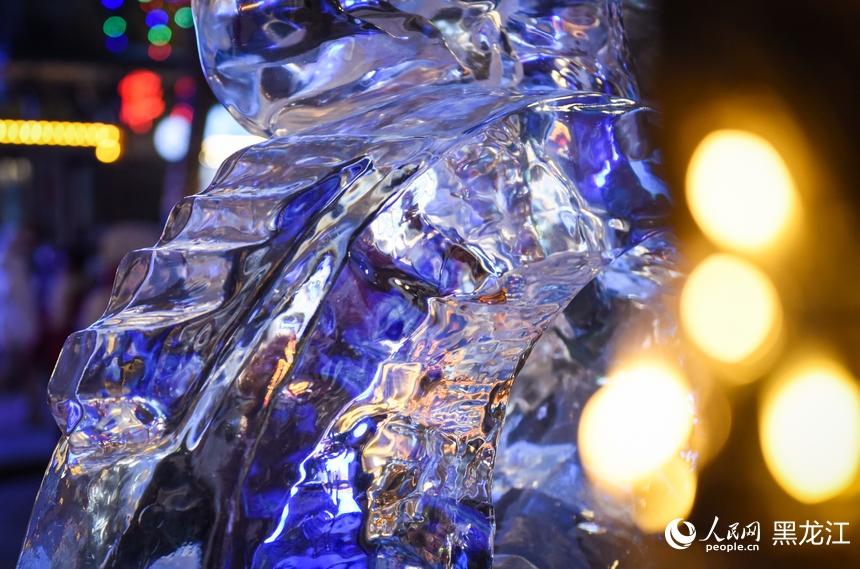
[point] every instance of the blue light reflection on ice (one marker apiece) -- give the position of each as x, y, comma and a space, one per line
312, 366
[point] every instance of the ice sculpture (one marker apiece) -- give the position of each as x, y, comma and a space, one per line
548, 515
310, 369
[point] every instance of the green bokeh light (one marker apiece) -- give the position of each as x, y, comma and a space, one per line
183, 18
160, 35
114, 26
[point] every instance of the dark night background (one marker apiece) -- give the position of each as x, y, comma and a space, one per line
807, 56
690, 55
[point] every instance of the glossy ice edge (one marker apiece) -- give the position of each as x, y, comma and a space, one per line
284, 67
548, 514
311, 367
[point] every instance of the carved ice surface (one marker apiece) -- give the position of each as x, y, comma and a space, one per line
547, 515
287, 66
311, 367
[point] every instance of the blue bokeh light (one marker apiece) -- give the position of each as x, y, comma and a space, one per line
117, 44
157, 18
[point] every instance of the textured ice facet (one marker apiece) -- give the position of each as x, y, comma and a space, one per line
311, 367
288, 66
547, 514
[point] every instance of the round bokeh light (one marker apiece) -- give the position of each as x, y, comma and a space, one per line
810, 431
159, 52
635, 424
157, 18
184, 18
730, 309
117, 44
160, 35
114, 26
740, 191
172, 136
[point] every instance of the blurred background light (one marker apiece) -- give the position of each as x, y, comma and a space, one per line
109, 151
71, 171
740, 191
157, 18
635, 424
142, 99
159, 52
185, 87
15, 170
149, 5
55, 133
184, 18
219, 147
222, 136
667, 494
172, 136
114, 26
116, 44
730, 309
713, 421
184, 110
159, 34
810, 431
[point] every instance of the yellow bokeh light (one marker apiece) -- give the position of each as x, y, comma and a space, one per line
740, 191
90, 135
57, 135
69, 132
108, 151
12, 133
24, 133
113, 132
713, 422
730, 309
105, 138
81, 135
635, 424
47, 132
36, 132
666, 495
810, 431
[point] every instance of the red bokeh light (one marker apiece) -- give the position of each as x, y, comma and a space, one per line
185, 87
159, 52
151, 5
142, 99
183, 110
